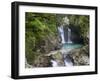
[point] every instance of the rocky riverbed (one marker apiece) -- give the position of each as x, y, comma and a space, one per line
75, 57
80, 56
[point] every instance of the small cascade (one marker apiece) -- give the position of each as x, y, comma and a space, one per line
61, 31
64, 41
67, 61
69, 36
54, 63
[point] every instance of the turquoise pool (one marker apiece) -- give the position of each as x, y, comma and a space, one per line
71, 46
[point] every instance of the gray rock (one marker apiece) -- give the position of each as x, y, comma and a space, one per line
80, 56
42, 61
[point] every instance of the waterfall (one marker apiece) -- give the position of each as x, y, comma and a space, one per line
69, 36
54, 63
67, 61
61, 31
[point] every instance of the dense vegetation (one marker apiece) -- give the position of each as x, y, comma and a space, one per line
41, 34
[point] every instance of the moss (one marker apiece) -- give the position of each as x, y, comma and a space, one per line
57, 56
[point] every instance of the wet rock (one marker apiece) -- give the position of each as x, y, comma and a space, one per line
80, 56
58, 57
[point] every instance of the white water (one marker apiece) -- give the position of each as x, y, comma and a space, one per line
69, 35
54, 63
61, 31
67, 61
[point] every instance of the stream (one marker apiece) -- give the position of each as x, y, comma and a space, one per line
66, 47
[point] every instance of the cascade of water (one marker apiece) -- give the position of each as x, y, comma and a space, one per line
67, 61
63, 51
54, 63
61, 31
69, 36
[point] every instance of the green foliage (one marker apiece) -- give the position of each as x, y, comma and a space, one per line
81, 22
58, 56
39, 27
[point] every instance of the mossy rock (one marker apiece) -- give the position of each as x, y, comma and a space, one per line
58, 57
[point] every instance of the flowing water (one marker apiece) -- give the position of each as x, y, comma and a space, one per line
66, 47
54, 63
61, 31
69, 36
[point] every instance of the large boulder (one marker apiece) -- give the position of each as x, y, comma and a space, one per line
58, 57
